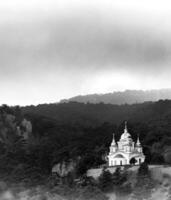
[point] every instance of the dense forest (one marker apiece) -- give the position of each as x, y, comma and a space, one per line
35, 138
87, 115
91, 124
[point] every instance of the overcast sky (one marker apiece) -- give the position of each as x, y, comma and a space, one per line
56, 49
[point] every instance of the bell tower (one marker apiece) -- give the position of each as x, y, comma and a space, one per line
113, 146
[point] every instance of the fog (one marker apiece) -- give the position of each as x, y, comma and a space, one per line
52, 50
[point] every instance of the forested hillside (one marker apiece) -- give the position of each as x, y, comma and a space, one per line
119, 98
86, 127
77, 132
75, 114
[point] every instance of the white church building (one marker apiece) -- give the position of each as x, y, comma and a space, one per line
124, 150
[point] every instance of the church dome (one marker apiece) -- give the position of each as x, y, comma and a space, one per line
125, 135
127, 143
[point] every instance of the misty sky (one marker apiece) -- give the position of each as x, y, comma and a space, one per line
56, 49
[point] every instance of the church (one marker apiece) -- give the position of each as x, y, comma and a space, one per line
124, 150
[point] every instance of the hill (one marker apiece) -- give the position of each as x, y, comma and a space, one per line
81, 128
77, 133
86, 115
126, 97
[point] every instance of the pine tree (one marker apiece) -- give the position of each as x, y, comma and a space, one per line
144, 185
143, 169
119, 179
105, 180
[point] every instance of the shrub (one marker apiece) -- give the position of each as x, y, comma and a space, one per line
143, 169
105, 180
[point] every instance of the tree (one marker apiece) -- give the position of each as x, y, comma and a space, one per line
116, 179
144, 184
120, 184
167, 155
133, 161
105, 180
157, 158
143, 189
143, 169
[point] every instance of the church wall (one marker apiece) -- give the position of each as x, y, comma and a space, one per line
113, 161
118, 161
139, 160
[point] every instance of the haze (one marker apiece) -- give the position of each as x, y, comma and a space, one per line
51, 50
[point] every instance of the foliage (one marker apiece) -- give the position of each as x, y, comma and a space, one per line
94, 124
86, 162
80, 132
167, 155
133, 161
116, 182
120, 182
143, 169
117, 178
105, 180
144, 185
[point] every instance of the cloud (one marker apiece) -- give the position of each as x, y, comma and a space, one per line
70, 44
81, 41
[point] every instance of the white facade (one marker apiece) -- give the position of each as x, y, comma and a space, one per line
124, 150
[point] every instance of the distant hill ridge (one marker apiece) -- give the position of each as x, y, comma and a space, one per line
125, 97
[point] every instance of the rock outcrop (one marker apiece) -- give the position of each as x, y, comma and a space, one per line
64, 168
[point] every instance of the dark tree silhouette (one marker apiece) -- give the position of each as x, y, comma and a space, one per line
105, 180
132, 161
143, 169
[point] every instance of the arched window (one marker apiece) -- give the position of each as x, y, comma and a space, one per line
112, 162
120, 162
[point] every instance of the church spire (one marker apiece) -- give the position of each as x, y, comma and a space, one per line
113, 140
125, 129
138, 141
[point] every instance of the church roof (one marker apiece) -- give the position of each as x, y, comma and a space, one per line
138, 142
125, 135
113, 141
125, 140
119, 156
